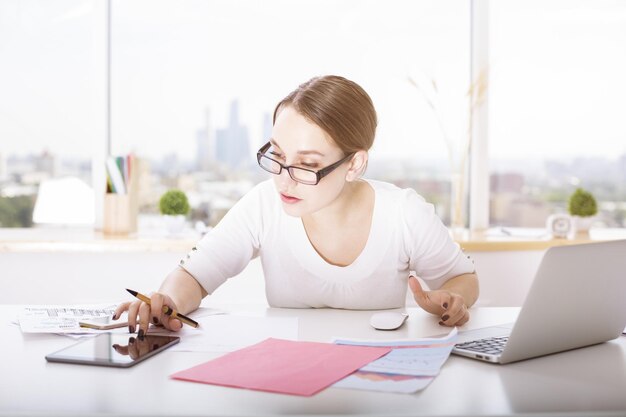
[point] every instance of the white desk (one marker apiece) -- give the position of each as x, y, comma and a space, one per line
585, 382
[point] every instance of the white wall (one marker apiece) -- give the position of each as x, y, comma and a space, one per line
65, 277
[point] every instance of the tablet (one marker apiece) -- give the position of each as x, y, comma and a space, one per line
113, 349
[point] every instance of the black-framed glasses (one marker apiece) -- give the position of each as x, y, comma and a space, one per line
301, 175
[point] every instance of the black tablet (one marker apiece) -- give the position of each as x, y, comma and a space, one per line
113, 349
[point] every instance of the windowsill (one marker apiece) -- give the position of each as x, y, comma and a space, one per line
521, 239
86, 240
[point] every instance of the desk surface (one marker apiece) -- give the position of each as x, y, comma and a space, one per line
589, 381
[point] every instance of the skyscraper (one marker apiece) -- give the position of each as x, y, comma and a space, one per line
232, 143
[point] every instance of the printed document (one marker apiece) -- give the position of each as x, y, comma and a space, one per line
408, 368
64, 319
61, 318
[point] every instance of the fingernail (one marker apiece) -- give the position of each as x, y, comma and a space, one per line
114, 316
155, 320
441, 323
445, 317
445, 305
131, 340
131, 329
140, 334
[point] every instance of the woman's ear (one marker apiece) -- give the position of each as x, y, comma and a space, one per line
358, 163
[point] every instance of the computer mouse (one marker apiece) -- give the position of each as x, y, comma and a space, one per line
388, 320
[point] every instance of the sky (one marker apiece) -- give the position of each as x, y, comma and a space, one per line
556, 82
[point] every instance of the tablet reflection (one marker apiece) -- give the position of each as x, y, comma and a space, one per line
135, 348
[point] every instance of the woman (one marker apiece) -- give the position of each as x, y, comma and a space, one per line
326, 237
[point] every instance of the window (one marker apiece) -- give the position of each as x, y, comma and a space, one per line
557, 108
194, 85
47, 109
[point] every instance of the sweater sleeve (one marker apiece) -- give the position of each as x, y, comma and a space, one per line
432, 253
228, 248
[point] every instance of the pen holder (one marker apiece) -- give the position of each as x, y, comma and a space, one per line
120, 214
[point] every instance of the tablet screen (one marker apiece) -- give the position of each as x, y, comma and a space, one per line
113, 349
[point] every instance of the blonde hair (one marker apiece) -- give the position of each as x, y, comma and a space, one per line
339, 106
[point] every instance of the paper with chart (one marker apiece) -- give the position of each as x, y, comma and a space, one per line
61, 318
409, 367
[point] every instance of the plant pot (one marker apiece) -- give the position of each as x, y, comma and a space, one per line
583, 224
175, 224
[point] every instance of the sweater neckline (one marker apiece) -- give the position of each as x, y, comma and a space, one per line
371, 253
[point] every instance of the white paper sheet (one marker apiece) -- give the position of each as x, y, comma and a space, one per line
227, 333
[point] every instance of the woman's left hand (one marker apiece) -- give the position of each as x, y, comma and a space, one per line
443, 303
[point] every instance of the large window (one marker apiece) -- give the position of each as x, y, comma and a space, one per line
47, 110
557, 108
194, 85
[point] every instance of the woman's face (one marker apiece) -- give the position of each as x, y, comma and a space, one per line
299, 142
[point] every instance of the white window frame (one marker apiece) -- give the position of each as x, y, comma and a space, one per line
479, 151
102, 120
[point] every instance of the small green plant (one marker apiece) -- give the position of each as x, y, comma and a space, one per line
582, 203
174, 202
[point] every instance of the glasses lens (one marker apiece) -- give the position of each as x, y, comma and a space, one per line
304, 176
269, 165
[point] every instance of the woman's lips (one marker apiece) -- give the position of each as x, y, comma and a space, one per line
288, 199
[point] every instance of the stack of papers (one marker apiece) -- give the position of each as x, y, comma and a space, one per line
62, 319
283, 366
235, 332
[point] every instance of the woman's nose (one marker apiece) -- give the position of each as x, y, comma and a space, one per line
285, 179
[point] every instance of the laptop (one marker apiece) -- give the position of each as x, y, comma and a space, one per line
577, 299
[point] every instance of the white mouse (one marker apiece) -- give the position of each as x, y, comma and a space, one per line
388, 320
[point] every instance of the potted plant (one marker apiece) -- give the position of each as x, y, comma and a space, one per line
174, 206
583, 207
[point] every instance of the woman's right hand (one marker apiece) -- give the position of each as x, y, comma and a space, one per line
141, 314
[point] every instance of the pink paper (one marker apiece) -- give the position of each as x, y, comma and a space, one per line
285, 366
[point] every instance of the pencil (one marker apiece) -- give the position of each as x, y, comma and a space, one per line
166, 309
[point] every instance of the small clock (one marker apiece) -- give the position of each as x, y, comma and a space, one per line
560, 225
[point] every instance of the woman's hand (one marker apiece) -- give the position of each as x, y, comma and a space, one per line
149, 313
443, 303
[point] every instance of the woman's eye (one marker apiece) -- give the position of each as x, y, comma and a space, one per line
276, 154
309, 165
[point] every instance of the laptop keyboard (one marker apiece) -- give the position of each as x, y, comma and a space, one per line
490, 345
